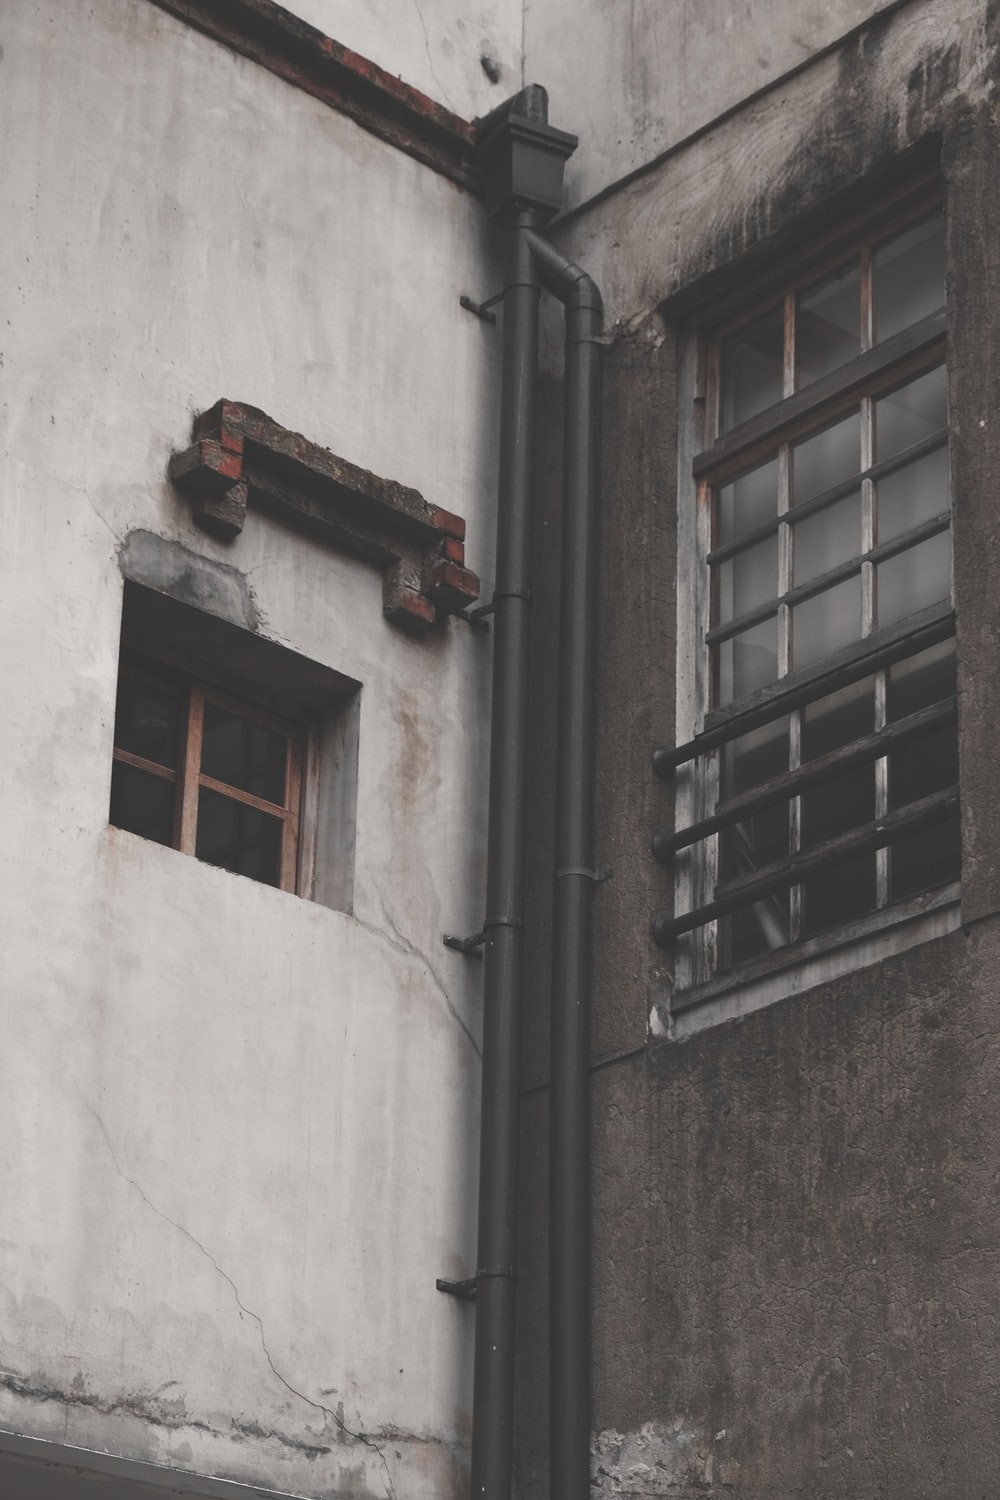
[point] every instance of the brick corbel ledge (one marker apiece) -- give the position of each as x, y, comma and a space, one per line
240, 457
351, 84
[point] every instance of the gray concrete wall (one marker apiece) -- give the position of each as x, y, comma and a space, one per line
633, 80
795, 1215
240, 1127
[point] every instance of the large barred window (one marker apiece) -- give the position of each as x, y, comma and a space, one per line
818, 795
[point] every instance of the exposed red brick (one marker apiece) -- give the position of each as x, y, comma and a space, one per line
242, 457
450, 524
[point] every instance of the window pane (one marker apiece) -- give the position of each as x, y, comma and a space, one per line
826, 622
909, 277
822, 541
142, 803
912, 495
921, 680
746, 580
749, 502
747, 662
238, 837
911, 413
838, 896
147, 720
828, 324
244, 754
755, 758
929, 764
748, 762
925, 860
847, 800
826, 459
751, 371
914, 579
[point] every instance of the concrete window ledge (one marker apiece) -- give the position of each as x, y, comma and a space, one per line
241, 457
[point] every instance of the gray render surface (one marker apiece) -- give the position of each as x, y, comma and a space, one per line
797, 1234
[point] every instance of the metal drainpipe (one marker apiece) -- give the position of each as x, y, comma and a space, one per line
493, 1401
575, 876
522, 160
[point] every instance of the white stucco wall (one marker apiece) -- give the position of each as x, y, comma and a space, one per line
438, 46
635, 77
240, 1128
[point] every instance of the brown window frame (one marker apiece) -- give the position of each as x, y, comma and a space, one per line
189, 778
725, 455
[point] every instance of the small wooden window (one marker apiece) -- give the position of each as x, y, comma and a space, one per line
207, 774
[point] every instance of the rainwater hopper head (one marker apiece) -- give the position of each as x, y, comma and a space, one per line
521, 156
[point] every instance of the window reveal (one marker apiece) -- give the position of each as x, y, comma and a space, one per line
207, 774
828, 754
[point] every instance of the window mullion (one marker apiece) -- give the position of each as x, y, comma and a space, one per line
867, 299
187, 802
290, 829
881, 789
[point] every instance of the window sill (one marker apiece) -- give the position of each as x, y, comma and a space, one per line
791, 971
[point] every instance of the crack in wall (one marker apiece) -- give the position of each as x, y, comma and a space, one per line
401, 944
359, 1437
430, 59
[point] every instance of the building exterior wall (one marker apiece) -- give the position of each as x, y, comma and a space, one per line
795, 1234
641, 79
241, 1127
466, 56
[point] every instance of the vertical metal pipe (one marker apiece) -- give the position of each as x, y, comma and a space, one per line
493, 1399
569, 1244
569, 1107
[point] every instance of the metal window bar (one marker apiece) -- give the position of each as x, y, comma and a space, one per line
805, 778
804, 686
797, 868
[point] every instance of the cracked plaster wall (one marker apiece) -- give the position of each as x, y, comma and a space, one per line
240, 1127
465, 54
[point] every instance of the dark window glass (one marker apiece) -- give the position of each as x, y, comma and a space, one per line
845, 802
747, 580
238, 838
244, 754
826, 622
838, 896
826, 459
752, 369
828, 324
909, 277
747, 662
147, 720
914, 580
748, 846
749, 502
142, 803
828, 537
911, 495
925, 860
912, 413
929, 764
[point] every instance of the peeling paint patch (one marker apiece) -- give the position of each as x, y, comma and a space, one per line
660, 1460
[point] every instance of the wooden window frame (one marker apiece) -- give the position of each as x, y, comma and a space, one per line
194, 693
700, 898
